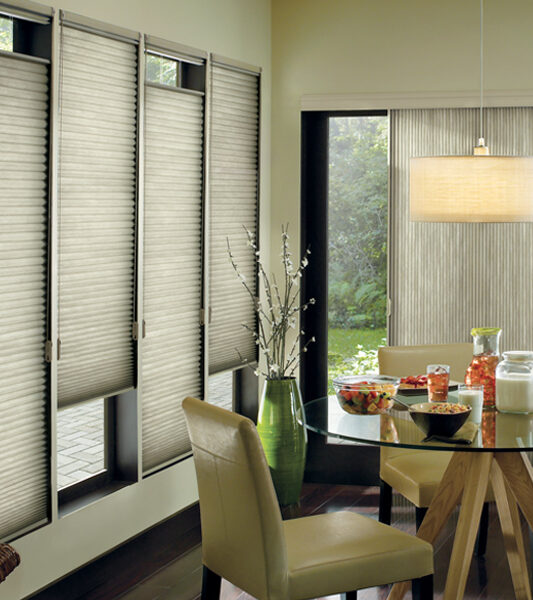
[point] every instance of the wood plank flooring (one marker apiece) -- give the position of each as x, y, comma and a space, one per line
489, 577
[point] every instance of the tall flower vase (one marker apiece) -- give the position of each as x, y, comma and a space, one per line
284, 439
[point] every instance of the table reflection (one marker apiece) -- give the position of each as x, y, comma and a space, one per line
498, 431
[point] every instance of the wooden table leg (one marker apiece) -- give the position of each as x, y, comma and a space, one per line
475, 491
446, 498
518, 473
512, 534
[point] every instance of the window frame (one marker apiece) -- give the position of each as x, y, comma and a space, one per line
328, 463
120, 455
88, 485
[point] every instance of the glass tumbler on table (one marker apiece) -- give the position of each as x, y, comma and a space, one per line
472, 395
438, 380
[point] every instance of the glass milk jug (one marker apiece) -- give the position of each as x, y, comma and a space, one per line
482, 369
514, 383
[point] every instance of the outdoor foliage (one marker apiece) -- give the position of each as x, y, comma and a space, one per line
358, 180
353, 352
161, 70
6, 34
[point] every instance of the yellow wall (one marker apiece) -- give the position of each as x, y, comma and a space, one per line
237, 29
383, 46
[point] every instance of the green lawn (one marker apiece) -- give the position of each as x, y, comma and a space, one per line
345, 341
353, 351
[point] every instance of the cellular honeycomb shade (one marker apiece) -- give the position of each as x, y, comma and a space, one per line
172, 348
446, 278
24, 395
234, 147
97, 194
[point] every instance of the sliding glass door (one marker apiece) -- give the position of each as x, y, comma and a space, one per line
344, 219
357, 242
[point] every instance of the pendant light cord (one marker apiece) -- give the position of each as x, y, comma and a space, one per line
481, 83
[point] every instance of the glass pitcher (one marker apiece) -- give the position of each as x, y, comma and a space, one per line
482, 369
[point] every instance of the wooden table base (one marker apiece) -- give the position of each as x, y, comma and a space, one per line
465, 481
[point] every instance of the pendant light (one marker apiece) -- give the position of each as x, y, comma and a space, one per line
477, 188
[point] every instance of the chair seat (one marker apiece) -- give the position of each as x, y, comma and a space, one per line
417, 474
336, 552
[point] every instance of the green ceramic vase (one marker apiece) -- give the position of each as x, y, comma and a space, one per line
284, 439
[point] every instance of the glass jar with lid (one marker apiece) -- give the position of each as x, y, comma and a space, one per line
486, 357
514, 382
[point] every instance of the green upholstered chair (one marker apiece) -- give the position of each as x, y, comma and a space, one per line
415, 474
245, 540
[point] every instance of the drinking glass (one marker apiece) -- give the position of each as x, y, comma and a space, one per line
472, 395
438, 379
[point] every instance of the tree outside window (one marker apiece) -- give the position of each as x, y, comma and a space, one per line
357, 246
6, 34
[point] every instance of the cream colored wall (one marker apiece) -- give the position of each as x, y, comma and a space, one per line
237, 29
383, 46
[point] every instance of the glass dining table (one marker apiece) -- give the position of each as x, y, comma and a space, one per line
496, 455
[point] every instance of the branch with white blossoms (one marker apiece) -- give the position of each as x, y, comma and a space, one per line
280, 313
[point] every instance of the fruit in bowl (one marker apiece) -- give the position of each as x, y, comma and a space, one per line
366, 394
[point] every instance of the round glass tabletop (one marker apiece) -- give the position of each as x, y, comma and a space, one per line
497, 431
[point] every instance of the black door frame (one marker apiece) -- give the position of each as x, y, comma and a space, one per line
326, 463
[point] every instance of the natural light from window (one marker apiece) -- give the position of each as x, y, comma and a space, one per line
80, 442
161, 70
220, 387
6, 34
357, 243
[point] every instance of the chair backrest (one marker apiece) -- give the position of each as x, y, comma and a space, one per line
242, 530
412, 360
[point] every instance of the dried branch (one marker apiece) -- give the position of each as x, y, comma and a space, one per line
280, 314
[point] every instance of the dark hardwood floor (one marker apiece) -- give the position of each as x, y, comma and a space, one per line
489, 576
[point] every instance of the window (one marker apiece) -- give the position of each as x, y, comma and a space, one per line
162, 70
220, 389
6, 34
83, 276
25, 393
234, 205
173, 263
96, 449
333, 166
96, 211
81, 442
357, 242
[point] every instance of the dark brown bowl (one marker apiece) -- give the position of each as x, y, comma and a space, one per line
437, 423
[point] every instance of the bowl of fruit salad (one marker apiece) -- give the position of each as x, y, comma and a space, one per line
439, 418
366, 394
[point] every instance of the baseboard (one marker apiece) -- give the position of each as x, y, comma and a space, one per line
124, 567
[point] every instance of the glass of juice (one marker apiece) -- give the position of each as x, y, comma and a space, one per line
438, 380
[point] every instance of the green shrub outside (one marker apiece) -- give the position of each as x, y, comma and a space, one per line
353, 352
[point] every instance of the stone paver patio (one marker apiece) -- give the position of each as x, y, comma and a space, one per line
80, 434
80, 442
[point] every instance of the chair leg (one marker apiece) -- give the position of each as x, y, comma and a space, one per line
349, 595
420, 513
423, 588
385, 502
210, 585
481, 542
